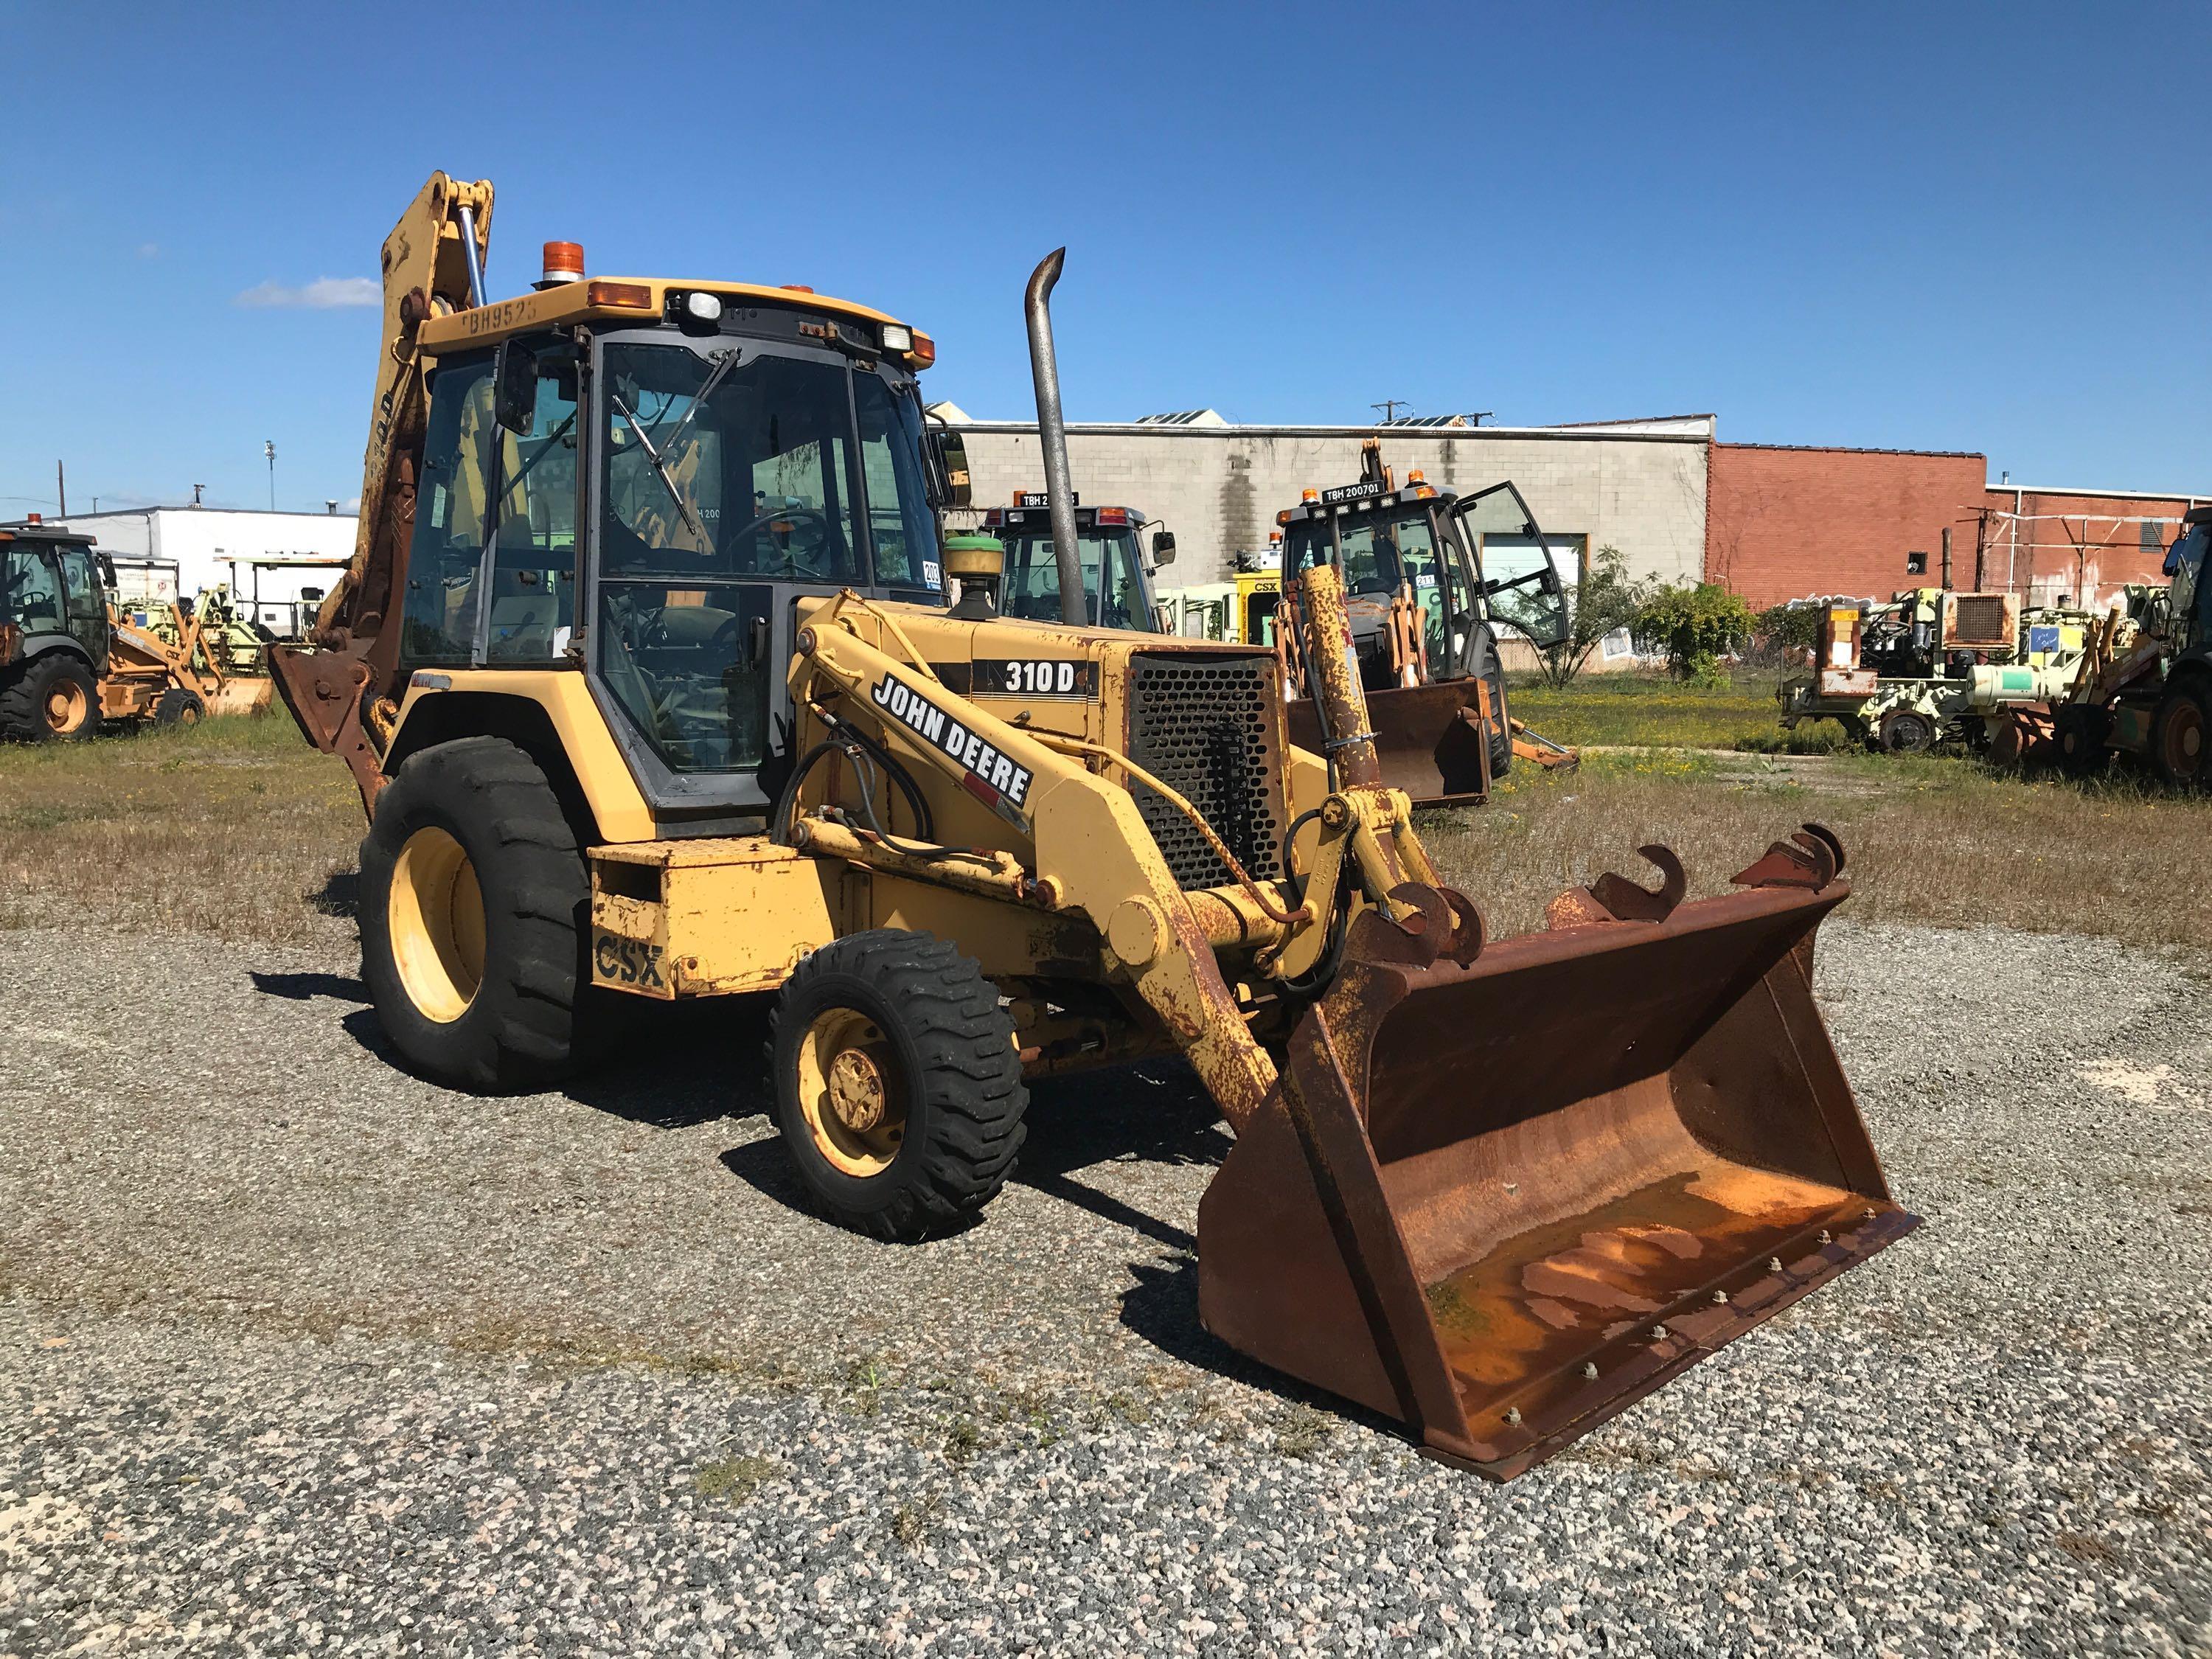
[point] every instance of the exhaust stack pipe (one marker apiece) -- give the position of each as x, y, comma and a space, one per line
1052, 437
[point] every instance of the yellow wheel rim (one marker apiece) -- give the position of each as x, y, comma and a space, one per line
850, 1090
66, 707
436, 918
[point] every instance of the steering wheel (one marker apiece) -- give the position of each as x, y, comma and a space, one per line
783, 515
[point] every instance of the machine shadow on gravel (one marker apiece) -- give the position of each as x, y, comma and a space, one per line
1154, 1113
683, 1064
307, 987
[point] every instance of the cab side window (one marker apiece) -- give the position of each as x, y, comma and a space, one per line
451, 502
533, 588
34, 596
80, 584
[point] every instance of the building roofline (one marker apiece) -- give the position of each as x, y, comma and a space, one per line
1861, 449
260, 511
1634, 420
2098, 494
1589, 433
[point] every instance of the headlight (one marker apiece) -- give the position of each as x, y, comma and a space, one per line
898, 336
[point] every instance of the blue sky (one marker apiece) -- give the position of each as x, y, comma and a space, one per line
1926, 226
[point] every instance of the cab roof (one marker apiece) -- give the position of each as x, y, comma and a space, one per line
620, 299
1354, 498
45, 532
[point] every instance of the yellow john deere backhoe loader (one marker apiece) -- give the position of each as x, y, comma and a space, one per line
644, 675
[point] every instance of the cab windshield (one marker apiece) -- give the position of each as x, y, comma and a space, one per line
1379, 552
740, 462
725, 470
1382, 552
1110, 564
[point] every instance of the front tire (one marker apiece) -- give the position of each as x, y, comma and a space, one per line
54, 699
2078, 733
898, 1089
179, 707
2178, 734
1907, 732
475, 910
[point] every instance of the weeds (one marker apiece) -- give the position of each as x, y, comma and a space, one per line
1806, 737
735, 1480
1301, 1431
1608, 710
1930, 839
962, 1441
911, 1522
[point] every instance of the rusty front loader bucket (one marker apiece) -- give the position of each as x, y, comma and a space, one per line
243, 696
1504, 1191
1432, 739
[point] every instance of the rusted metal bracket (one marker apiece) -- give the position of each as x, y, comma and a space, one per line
1811, 859
1616, 898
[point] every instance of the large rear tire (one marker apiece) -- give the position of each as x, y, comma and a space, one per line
2179, 738
475, 914
898, 1089
54, 699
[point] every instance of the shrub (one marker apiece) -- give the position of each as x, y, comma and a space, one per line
1781, 634
1606, 599
1695, 627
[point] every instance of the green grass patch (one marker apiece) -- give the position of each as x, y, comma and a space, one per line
1615, 710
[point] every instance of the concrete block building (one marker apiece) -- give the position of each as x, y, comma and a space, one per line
1637, 485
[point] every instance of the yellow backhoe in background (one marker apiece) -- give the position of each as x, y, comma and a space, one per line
644, 670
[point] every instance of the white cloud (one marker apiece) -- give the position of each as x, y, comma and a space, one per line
324, 294
149, 250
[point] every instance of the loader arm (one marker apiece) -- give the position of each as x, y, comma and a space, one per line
1090, 851
339, 686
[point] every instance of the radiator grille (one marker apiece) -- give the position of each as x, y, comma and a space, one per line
1209, 728
1979, 619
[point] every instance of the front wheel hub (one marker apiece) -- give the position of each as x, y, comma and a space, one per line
849, 1091
856, 1091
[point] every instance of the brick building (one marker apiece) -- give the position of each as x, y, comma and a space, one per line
2056, 545
1786, 522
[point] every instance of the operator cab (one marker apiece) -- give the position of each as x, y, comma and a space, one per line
1111, 548
51, 591
642, 479
1384, 538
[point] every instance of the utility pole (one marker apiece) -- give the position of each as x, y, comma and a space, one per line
268, 448
1388, 408
61, 488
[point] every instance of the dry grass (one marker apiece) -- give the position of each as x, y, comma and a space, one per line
235, 830
1944, 841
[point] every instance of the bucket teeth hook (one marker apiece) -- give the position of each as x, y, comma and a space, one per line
1811, 859
1616, 898
1443, 923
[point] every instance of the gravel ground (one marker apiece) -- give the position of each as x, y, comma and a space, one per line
299, 1354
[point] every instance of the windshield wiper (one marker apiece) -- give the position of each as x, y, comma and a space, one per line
724, 361
660, 471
